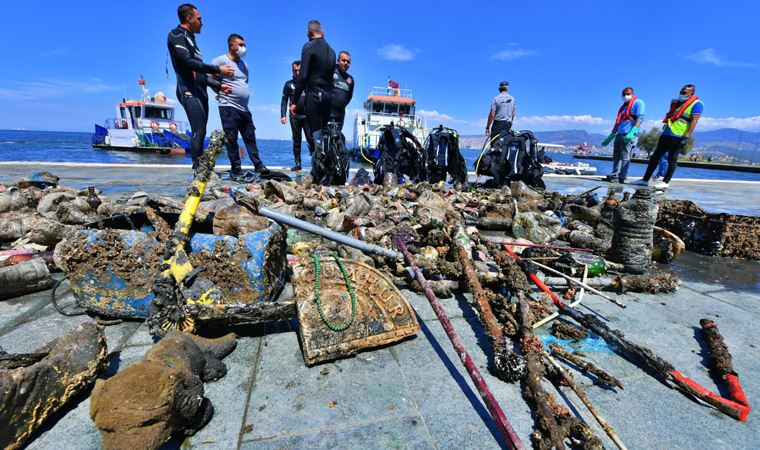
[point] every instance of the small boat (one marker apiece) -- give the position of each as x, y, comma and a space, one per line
569, 169
385, 105
145, 125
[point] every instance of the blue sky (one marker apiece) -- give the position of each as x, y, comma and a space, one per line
68, 63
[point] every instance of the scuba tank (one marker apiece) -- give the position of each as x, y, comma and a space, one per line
634, 224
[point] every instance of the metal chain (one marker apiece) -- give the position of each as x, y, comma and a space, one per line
317, 272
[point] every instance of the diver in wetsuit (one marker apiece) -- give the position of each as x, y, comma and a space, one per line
342, 89
297, 120
316, 76
191, 75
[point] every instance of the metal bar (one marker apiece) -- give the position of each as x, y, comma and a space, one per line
316, 229
509, 435
579, 283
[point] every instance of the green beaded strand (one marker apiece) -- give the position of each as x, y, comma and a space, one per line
317, 272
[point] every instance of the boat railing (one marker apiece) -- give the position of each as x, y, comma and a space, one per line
177, 127
392, 92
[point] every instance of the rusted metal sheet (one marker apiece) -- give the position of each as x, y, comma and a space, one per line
711, 234
382, 316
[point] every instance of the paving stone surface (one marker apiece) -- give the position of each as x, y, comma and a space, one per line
416, 393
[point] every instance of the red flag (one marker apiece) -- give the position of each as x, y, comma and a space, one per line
393, 84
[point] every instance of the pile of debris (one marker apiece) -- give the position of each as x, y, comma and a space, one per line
343, 248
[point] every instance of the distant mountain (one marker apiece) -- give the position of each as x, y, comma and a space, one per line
734, 144
571, 138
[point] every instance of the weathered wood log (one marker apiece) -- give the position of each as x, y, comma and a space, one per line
30, 394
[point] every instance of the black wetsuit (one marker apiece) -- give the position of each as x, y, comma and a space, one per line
317, 68
191, 84
297, 122
342, 92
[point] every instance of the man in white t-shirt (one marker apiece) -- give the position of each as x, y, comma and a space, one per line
233, 107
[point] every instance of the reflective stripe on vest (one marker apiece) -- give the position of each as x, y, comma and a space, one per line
627, 107
680, 125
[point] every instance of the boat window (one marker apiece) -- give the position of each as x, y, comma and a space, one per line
152, 112
391, 108
136, 111
377, 107
405, 109
124, 113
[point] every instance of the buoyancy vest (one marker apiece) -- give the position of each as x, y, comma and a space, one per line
679, 117
624, 113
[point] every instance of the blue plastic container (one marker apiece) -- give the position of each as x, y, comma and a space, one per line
122, 287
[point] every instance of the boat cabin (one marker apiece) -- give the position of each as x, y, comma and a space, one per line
385, 105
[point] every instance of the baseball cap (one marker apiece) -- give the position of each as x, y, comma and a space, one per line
503, 84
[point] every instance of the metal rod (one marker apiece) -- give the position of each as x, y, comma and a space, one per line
555, 314
507, 432
579, 283
501, 240
586, 401
341, 238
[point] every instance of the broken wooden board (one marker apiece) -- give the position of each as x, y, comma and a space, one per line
383, 315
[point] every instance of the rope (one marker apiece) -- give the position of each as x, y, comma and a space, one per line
59, 308
317, 272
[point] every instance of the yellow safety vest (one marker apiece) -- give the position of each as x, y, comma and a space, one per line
680, 126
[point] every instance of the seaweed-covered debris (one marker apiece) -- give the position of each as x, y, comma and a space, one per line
162, 394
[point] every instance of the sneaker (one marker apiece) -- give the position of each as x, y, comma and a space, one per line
237, 175
641, 182
296, 168
607, 178
262, 169
660, 185
655, 178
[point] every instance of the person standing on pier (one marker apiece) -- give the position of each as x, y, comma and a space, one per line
191, 72
502, 113
342, 89
233, 108
625, 133
679, 124
315, 77
298, 119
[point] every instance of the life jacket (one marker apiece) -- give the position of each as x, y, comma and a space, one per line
679, 117
674, 114
399, 154
444, 157
512, 157
330, 161
624, 113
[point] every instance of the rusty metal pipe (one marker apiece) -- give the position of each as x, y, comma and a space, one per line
507, 432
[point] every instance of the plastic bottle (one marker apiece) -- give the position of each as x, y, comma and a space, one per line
634, 225
92, 198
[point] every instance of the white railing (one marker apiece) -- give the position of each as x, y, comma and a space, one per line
393, 92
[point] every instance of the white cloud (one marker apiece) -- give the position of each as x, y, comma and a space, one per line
435, 116
56, 52
396, 52
560, 121
742, 123
512, 53
711, 56
50, 88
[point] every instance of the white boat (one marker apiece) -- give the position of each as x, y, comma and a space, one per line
385, 105
145, 125
569, 169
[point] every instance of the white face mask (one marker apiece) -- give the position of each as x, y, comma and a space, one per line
627, 98
683, 98
241, 51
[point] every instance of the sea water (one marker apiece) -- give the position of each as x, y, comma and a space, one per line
54, 146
